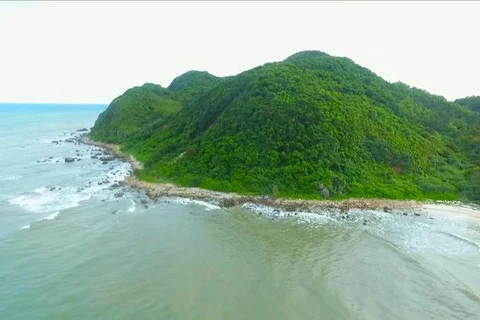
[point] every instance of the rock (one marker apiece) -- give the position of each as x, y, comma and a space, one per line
144, 201
145, 206
417, 214
100, 183
68, 159
323, 190
405, 214
52, 189
114, 211
104, 162
50, 158
82, 130
110, 158
69, 140
55, 141
387, 209
118, 194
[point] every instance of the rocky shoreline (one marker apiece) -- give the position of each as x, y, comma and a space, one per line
224, 199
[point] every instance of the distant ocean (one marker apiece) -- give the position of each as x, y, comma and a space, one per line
74, 247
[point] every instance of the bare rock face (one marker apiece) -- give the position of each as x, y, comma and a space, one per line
323, 190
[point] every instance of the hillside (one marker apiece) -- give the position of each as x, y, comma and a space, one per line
283, 127
473, 102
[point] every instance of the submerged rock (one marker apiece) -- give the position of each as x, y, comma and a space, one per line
118, 194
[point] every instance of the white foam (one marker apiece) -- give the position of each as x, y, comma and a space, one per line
10, 178
302, 217
25, 227
132, 207
207, 205
41, 200
50, 217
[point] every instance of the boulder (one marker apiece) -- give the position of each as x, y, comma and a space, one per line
68, 159
109, 158
322, 189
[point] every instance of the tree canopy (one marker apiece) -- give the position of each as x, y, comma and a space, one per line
286, 126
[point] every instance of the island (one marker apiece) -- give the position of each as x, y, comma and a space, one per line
310, 127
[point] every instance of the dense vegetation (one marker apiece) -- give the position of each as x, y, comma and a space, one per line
473, 102
283, 127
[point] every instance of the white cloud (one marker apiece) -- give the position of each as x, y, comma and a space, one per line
93, 51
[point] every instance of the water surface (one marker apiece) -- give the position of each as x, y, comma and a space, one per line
79, 252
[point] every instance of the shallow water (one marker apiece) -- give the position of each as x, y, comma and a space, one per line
90, 255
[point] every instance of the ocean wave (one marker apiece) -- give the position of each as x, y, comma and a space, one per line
207, 205
299, 216
10, 178
132, 206
461, 239
42, 200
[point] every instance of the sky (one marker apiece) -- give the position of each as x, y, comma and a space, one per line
91, 52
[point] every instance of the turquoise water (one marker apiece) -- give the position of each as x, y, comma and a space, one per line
71, 249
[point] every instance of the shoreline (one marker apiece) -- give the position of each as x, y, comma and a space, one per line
229, 199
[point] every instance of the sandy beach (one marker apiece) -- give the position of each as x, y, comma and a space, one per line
453, 211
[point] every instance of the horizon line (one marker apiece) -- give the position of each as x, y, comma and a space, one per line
57, 103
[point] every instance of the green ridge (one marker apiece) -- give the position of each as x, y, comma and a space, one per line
285, 126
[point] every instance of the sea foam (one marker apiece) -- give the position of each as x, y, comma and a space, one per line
207, 205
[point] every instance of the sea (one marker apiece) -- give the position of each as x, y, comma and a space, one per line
77, 244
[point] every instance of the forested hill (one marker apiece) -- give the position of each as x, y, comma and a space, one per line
284, 127
473, 102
